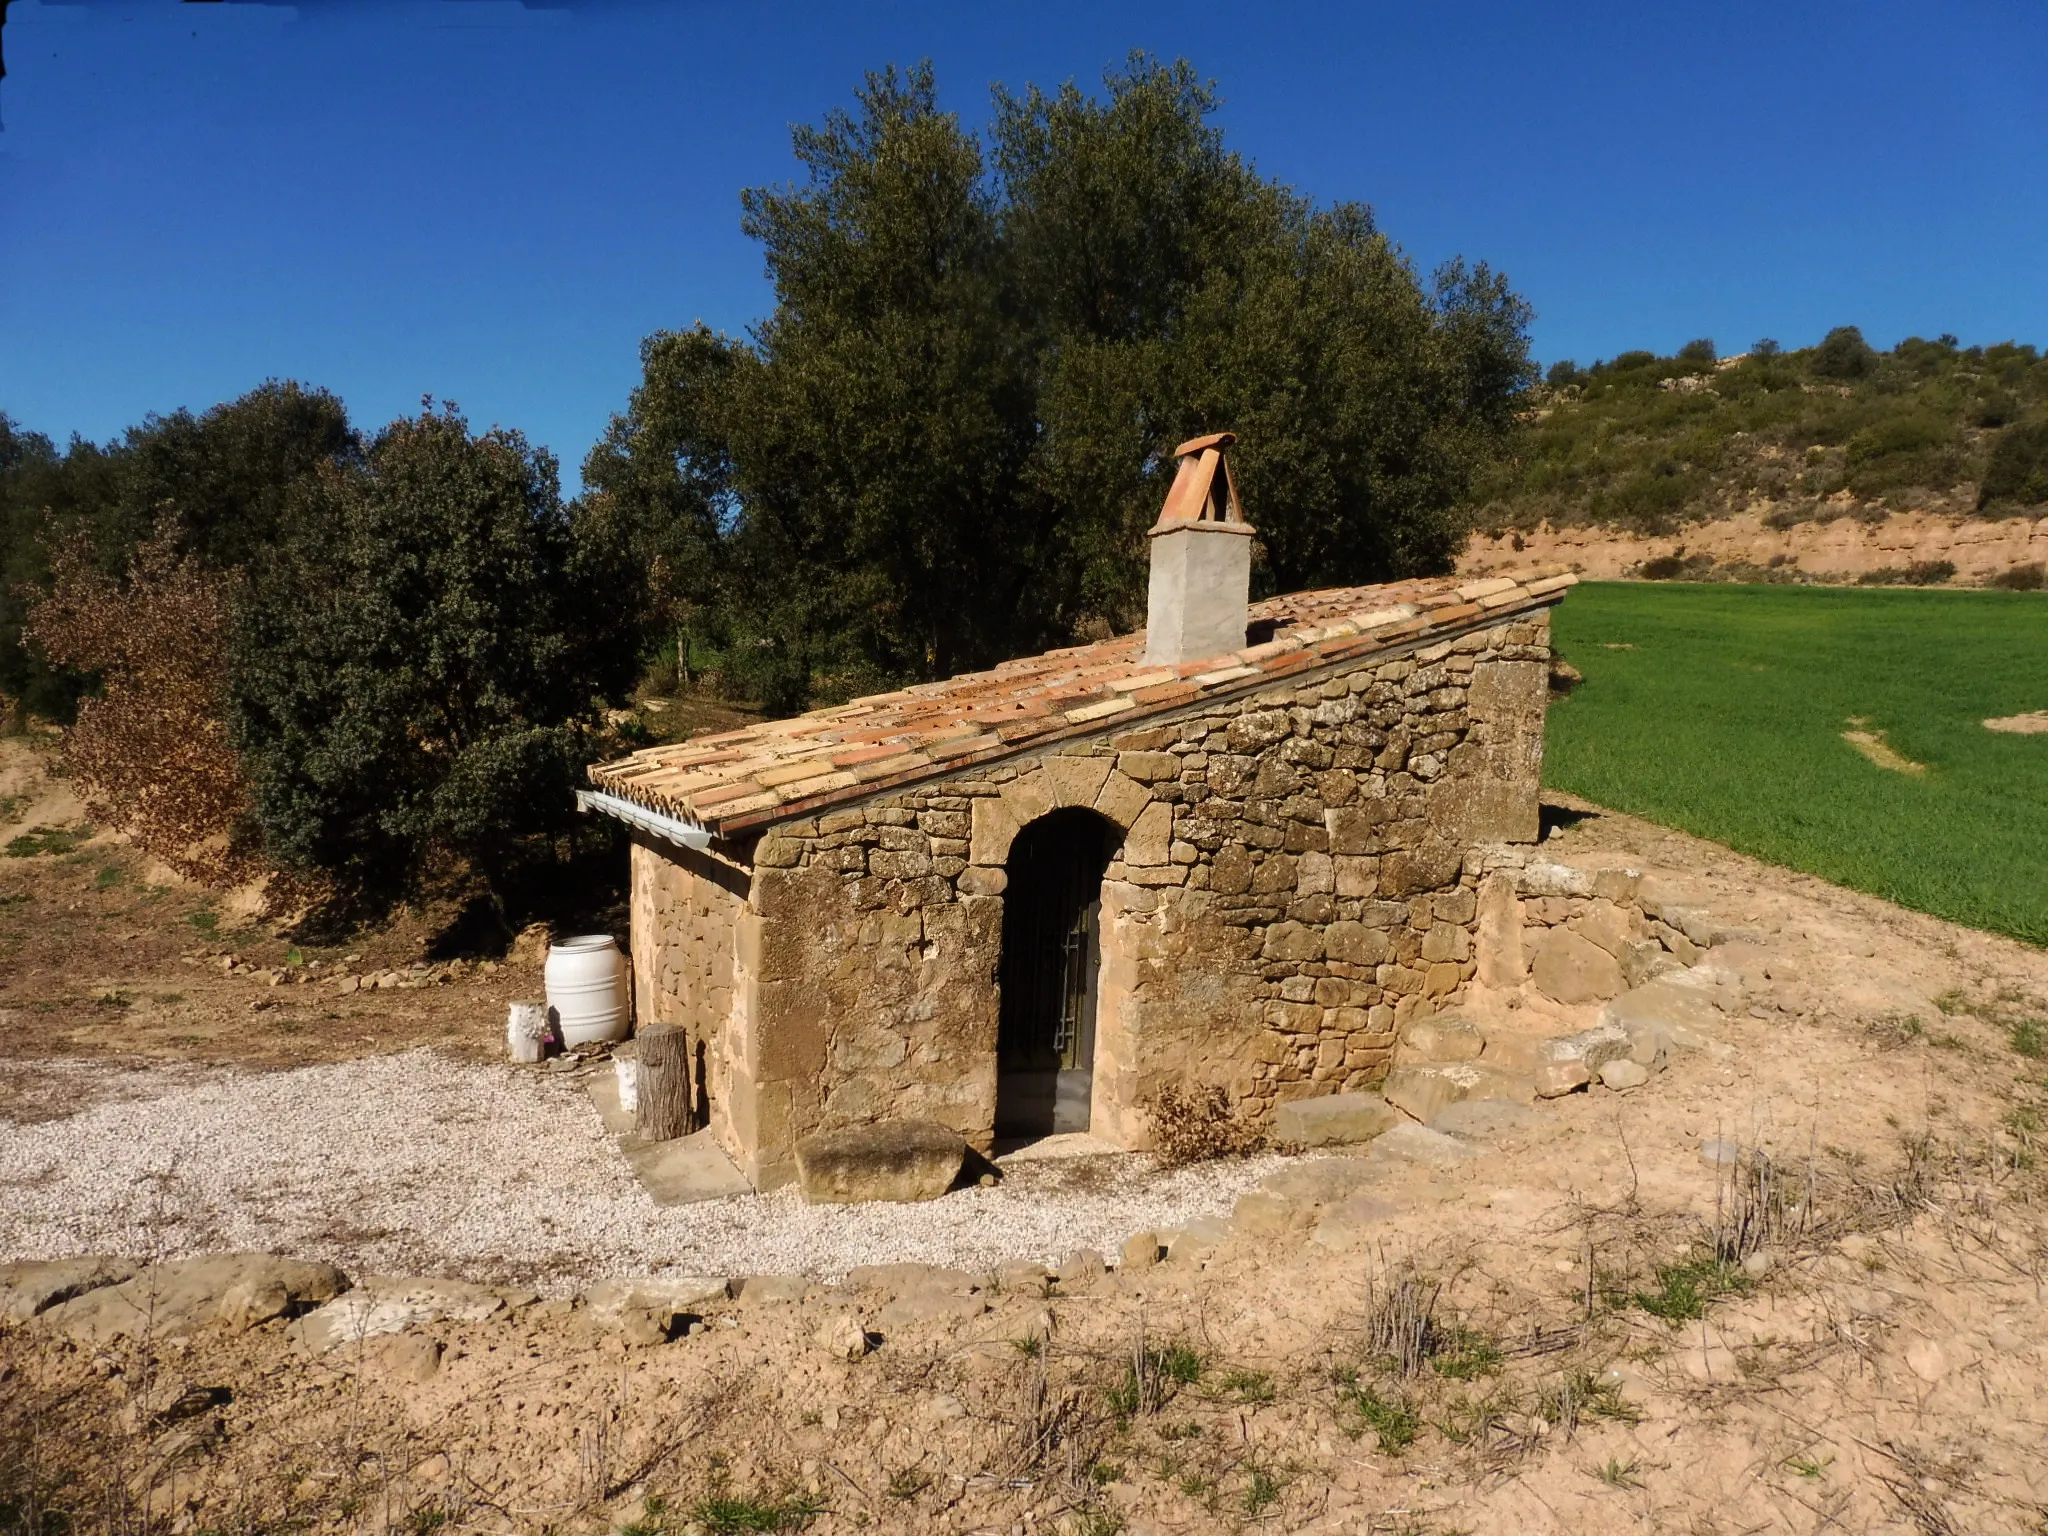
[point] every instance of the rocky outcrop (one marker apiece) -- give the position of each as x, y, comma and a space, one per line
1846, 548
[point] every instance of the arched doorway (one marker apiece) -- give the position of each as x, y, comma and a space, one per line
1045, 1042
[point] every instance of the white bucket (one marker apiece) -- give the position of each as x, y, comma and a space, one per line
586, 980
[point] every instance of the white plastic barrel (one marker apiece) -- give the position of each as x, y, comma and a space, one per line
586, 980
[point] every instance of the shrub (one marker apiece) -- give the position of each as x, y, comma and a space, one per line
2017, 471
2022, 578
1563, 373
1764, 348
1199, 1125
1921, 573
1700, 353
152, 748
1843, 354
413, 666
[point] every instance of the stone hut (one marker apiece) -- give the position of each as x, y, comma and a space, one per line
1240, 848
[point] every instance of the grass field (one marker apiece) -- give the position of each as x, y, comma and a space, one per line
1720, 710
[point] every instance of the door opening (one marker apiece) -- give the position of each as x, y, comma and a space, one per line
1052, 949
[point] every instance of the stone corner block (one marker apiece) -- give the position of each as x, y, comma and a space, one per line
898, 1160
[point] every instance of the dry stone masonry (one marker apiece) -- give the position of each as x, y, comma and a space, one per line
1299, 836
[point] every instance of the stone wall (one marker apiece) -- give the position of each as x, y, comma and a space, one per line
1296, 878
686, 910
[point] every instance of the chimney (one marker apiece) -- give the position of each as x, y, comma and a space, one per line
1201, 560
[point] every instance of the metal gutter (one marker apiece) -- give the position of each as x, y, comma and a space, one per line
683, 834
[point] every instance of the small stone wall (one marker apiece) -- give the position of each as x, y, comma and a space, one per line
1297, 876
686, 910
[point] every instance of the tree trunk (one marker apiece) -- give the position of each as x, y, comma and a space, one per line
663, 1112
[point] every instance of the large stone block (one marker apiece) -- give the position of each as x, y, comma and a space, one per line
1425, 1090
898, 1160
1335, 1119
1571, 969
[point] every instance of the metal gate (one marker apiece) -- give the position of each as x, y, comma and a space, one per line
1045, 1049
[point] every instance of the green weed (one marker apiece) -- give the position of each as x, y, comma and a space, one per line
1807, 1467
732, 1515
205, 922
2030, 1038
1263, 1489
108, 878
1619, 1474
1392, 1418
1247, 1386
1686, 1289
1463, 1354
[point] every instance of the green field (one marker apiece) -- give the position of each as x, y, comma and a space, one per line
1720, 709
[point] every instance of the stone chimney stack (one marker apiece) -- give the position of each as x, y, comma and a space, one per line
1201, 560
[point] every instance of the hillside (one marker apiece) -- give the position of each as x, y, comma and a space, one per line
1647, 448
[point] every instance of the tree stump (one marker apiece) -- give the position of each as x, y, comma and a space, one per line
663, 1110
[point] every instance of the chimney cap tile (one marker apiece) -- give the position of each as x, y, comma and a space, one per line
1208, 440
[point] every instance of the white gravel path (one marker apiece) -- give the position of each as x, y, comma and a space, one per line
417, 1164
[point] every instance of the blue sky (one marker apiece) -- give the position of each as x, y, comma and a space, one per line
494, 202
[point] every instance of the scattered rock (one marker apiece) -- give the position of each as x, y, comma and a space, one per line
1572, 969
384, 1304
237, 1290
1141, 1250
1595, 1047
1196, 1238
1081, 1269
410, 1357
36, 1285
668, 1300
1716, 1153
1320, 1180
1424, 1091
773, 1288
1335, 1119
1441, 1037
1554, 1079
1623, 1075
899, 1160
1759, 1264
1022, 1277
843, 1337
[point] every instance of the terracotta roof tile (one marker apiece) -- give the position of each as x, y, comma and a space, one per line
737, 781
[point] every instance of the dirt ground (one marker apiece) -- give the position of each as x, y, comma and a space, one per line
107, 957
1551, 1336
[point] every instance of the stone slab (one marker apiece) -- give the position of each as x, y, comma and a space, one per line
36, 1285
231, 1290
383, 1304
1421, 1145
1424, 1091
1335, 1119
1492, 1121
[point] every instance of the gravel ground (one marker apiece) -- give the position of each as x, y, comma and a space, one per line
417, 1164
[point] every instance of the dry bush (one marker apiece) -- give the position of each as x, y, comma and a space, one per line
152, 748
1199, 1124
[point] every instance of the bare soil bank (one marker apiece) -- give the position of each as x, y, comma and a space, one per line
1848, 548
